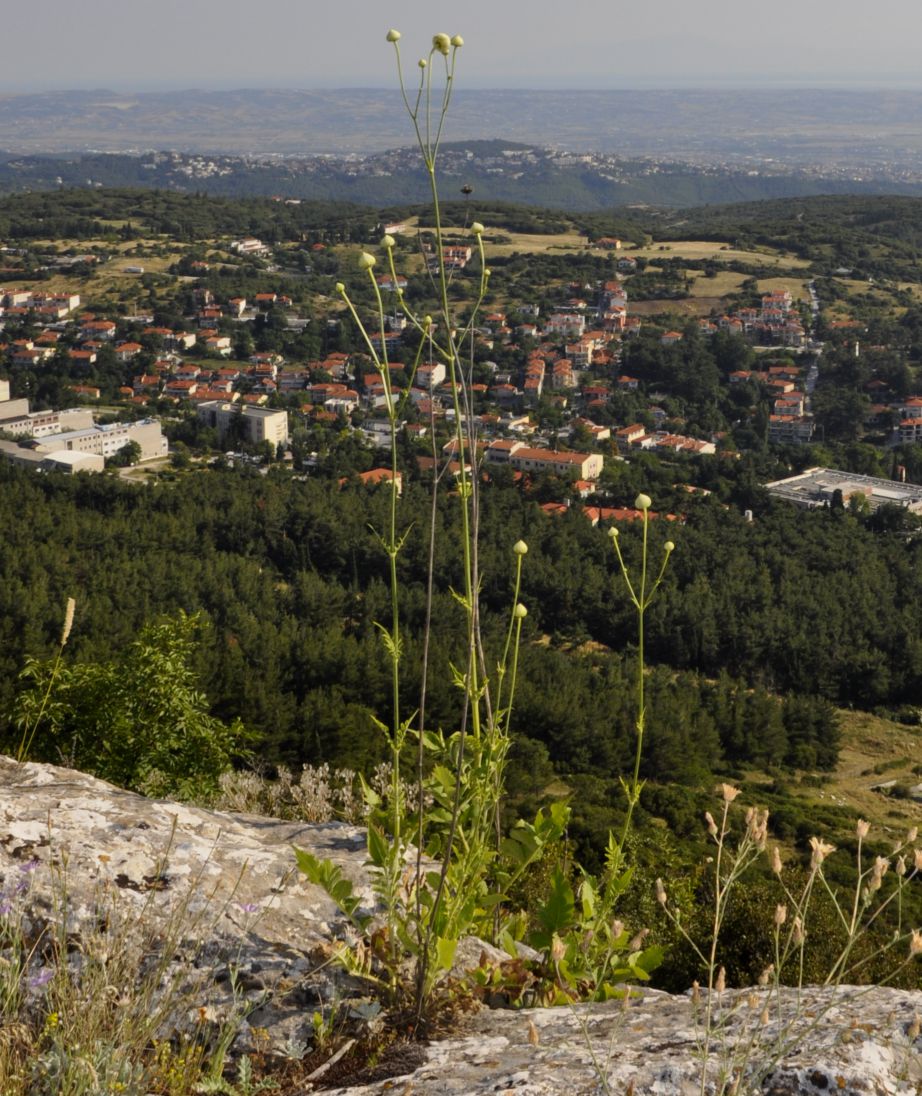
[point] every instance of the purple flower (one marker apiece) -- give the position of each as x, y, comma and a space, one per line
30, 865
41, 978
248, 907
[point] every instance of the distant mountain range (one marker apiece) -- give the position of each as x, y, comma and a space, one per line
859, 129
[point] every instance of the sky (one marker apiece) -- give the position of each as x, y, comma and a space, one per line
145, 45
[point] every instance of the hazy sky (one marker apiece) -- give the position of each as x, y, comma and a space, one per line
154, 44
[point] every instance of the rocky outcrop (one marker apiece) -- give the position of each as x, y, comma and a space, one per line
224, 890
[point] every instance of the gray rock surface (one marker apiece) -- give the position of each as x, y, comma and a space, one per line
261, 937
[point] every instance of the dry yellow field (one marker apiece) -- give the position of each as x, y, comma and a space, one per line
795, 286
710, 249
724, 282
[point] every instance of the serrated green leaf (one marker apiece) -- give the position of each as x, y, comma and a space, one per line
445, 952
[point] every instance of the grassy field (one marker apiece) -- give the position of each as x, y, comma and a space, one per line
710, 249
873, 752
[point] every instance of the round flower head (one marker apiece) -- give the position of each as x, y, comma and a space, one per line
457, 41
613, 533
422, 62
520, 611
442, 43
340, 287
477, 228
520, 547
393, 35
669, 546
366, 261
643, 502
388, 242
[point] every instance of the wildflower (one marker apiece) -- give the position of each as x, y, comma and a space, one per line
43, 977
613, 533
248, 907
68, 621
776, 860
643, 502
900, 866
766, 975
422, 62
427, 321
660, 892
821, 849
558, 950
340, 288
393, 35
669, 546
457, 41
797, 933
617, 928
487, 272
781, 915
728, 792
861, 829
712, 825
477, 228
388, 242
366, 261
442, 43
915, 943
520, 611
636, 942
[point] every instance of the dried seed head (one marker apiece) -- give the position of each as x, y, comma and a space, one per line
712, 825
776, 860
861, 829
660, 892
636, 942
781, 915
558, 951
912, 835
728, 792
821, 849
917, 859
617, 930
797, 934
915, 943
900, 868
721, 984
766, 975
881, 864
68, 621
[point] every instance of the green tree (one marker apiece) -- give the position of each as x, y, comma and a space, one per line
139, 721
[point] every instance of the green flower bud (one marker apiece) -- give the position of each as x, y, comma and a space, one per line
427, 321
422, 62
457, 41
487, 272
643, 502
366, 261
520, 547
477, 228
388, 242
520, 612
340, 288
669, 546
613, 533
393, 35
442, 43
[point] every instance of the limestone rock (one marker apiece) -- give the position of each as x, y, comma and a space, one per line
260, 937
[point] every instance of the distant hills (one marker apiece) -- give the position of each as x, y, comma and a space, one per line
577, 150
866, 130
495, 171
